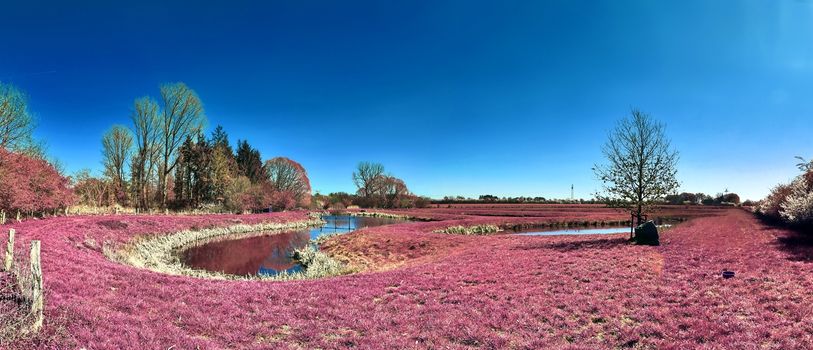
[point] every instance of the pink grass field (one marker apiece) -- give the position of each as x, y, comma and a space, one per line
427, 290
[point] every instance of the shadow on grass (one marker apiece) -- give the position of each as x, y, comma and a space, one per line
566, 246
798, 244
796, 241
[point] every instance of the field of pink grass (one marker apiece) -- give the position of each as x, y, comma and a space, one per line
427, 290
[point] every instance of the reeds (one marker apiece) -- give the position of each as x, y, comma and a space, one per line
160, 253
474, 230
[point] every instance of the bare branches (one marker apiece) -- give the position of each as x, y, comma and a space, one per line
286, 175
641, 165
378, 188
182, 117
366, 177
145, 128
117, 146
16, 122
159, 133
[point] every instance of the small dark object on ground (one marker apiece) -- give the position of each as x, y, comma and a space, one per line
728, 274
647, 234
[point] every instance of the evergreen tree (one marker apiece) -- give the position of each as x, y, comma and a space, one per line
224, 166
249, 163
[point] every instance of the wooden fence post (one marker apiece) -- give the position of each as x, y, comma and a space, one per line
18, 216
2, 217
9, 251
36, 287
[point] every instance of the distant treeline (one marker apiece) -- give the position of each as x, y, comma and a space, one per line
682, 198
375, 189
487, 198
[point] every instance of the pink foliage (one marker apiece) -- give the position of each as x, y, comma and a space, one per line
31, 185
305, 201
293, 182
429, 290
284, 200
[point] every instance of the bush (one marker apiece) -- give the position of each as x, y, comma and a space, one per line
771, 205
422, 202
284, 200
476, 230
31, 185
797, 208
791, 203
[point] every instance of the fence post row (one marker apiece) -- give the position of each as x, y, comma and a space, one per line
36, 287
9, 251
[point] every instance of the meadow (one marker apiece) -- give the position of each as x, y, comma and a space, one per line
415, 288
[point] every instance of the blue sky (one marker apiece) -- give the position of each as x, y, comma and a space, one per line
455, 97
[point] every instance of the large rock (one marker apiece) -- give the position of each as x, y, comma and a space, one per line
647, 233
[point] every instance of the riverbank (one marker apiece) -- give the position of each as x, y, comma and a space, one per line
428, 290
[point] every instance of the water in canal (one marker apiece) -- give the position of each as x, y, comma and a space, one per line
576, 231
580, 231
270, 254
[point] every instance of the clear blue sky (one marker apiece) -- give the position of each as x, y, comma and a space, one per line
455, 97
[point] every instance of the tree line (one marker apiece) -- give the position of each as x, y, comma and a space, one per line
704, 199
490, 198
164, 160
375, 188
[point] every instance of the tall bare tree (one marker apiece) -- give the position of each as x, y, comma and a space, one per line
182, 117
16, 122
286, 175
117, 145
394, 190
146, 130
641, 165
367, 178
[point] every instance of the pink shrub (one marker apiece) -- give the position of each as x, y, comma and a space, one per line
31, 185
791, 203
771, 205
284, 200
290, 179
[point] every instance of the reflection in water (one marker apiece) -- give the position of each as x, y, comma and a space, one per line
583, 231
594, 231
270, 254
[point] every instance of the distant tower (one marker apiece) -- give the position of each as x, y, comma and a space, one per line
571, 192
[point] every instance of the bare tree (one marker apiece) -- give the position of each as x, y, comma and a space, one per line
16, 123
641, 165
182, 117
286, 175
94, 192
367, 178
146, 131
117, 145
393, 189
